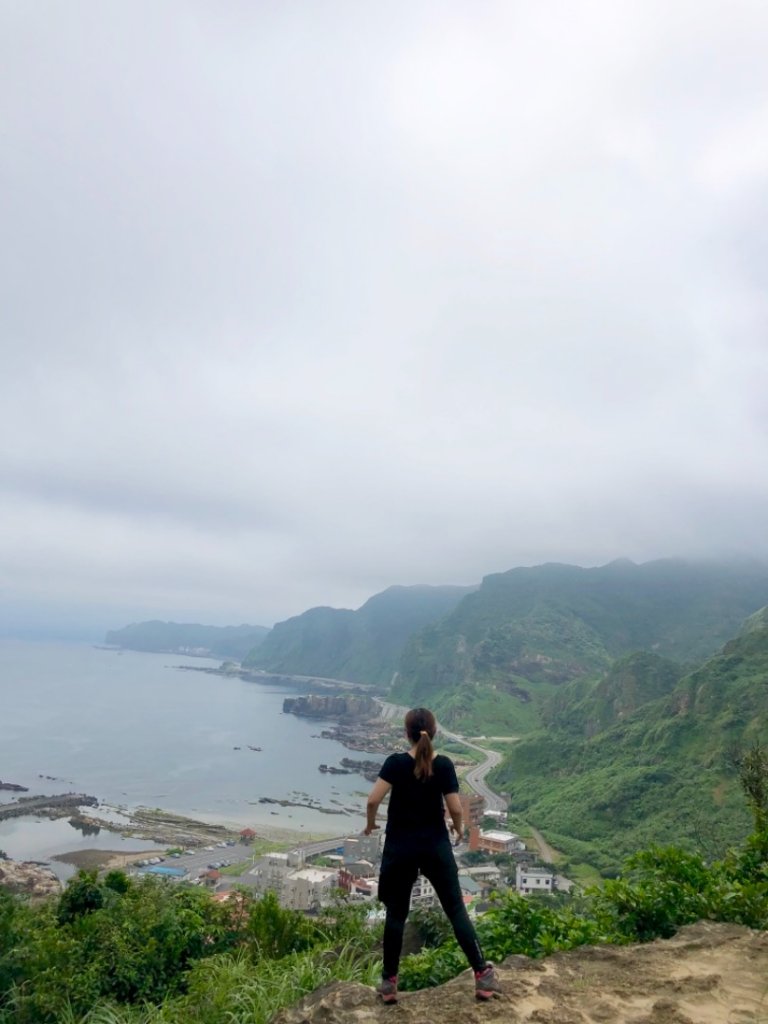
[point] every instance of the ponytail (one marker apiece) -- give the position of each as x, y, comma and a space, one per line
424, 754
420, 725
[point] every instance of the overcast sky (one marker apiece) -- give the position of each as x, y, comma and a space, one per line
299, 300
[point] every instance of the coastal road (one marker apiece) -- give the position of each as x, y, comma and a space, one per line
475, 777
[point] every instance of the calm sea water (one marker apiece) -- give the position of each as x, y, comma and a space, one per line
133, 729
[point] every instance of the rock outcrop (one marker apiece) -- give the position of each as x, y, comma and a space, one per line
316, 706
28, 879
707, 974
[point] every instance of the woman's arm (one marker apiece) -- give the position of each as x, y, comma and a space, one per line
453, 804
377, 794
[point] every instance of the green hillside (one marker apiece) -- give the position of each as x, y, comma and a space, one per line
587, 708
525, 632
662, 773
181, 638
361, 646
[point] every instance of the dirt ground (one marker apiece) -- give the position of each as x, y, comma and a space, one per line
707, 974
90, 859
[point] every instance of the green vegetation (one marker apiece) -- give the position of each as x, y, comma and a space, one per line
631, 682
362, 646
460, 753
660, 890
237, 869
495, 661
149, 951
666, 771
218, 641
119, 951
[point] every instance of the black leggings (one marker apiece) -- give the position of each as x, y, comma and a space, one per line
402, 860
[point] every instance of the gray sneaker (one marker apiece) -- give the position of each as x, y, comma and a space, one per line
487, 985
387, 990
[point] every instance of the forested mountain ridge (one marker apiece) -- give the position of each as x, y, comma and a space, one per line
664, 773
630, 682
364, 645
181, 638
522, 634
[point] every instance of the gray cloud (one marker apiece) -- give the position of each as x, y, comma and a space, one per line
298, 301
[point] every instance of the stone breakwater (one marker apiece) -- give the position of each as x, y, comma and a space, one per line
50, 806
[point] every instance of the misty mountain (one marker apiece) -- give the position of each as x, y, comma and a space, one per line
663, 773
188, 638
510, 645
363, 645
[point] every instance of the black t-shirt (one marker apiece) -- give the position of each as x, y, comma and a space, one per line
416, 805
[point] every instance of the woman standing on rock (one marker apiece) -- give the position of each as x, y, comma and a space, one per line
417, 840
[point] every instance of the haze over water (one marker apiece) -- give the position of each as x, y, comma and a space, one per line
131, 729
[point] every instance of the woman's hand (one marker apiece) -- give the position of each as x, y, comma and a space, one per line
377, 794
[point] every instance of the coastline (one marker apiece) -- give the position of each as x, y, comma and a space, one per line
202, 781
102, 859
109, 859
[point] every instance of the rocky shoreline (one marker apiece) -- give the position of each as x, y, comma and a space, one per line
161, 827
26, 878
358, 728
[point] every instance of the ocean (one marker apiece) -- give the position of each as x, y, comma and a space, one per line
134, 729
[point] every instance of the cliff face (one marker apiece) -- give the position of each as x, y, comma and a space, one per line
707, 974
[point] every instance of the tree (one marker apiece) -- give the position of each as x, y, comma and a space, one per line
753, 776
82, 896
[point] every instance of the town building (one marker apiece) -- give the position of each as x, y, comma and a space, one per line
165, 872
488, 876
495, 841
270, 872
529, 879
363, 848
472, 810
423, 893
308, 888
358, 879
500, 817
470, 888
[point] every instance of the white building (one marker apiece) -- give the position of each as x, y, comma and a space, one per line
270, 873
498, 816
423, 894
528, 880
308, 888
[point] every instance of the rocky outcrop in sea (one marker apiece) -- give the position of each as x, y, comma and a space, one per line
315, 705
